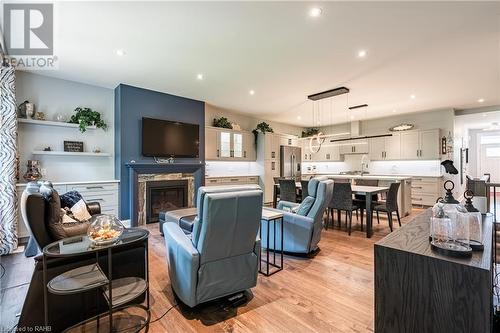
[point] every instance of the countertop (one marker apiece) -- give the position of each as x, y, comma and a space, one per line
413, 237
113, 181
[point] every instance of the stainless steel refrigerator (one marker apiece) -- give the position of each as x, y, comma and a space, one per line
290, 162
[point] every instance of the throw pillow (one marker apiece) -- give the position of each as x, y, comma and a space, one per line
69, 199
79, 211
305, 206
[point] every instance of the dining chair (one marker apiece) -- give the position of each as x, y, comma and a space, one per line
390, 205
288, 190
341, 201
304, 184
360, 200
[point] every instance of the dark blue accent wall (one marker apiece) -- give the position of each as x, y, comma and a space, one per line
133, 103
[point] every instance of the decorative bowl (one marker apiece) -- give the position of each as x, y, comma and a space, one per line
105, 230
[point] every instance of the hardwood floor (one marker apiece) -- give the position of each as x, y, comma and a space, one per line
332, 292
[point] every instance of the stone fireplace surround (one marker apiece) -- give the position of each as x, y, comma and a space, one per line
143, 179
139, 173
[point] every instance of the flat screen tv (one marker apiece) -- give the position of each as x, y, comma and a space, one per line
164, 138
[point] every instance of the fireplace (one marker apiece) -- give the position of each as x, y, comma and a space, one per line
165, 195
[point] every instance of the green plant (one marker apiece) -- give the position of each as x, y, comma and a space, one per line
310, 132
222, 122
262, 127
87, 117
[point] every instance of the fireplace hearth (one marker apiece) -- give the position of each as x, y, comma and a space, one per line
165, 195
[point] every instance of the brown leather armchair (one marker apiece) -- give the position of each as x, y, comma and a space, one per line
68, 310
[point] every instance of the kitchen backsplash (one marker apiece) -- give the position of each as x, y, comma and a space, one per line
353, 163
223, 168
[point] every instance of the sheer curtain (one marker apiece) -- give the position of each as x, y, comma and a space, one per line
8, 149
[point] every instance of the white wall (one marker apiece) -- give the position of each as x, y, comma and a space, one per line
53, 96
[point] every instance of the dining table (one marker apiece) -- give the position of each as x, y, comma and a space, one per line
366, 191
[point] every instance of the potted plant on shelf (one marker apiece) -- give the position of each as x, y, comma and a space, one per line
310, 132
222, 122
87, 117
263, 128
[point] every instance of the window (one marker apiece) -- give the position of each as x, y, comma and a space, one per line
489, 139
493, 152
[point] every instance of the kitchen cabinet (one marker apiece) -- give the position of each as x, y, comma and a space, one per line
234, 180
385, 148
359, 146
420, 145
393, 147
429, 144
211, 144
425, 190
229, 145
249, 151
330, 153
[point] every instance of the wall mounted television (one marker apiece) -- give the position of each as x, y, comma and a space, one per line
165, 138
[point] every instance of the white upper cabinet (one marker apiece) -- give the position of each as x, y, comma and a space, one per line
249, 151
420, 145
226, 144
409, 146
429, 145
393, 147
377, 149
211, 144
359, 146
385, 148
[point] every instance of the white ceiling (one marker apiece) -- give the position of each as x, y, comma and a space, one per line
447, 53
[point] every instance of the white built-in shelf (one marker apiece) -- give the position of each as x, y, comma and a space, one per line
69, 153
50, 123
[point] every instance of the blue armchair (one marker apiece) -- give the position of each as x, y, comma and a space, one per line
302, 222
221, 256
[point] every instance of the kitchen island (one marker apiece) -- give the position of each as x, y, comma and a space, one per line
404, 193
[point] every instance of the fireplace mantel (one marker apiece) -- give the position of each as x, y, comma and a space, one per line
135, 169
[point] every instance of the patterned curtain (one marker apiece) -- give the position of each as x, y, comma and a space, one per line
8, 148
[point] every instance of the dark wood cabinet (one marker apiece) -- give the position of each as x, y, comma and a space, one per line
418, 290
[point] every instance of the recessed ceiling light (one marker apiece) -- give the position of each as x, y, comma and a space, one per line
481, 100
199, 77
299, 117
120, 52
352, 117
361, 53
252, 92
315, 12
413, 96
393, 111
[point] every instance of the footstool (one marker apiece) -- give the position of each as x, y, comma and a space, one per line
183, 217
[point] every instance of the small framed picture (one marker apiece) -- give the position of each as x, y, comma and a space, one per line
73, 146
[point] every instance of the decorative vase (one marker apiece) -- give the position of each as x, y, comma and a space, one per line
105, 230
32, 171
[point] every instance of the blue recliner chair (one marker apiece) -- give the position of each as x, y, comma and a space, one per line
221, 256
302, 222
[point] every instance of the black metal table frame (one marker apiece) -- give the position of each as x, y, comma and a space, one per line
110, 284
267, 262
